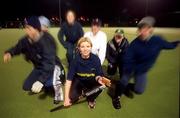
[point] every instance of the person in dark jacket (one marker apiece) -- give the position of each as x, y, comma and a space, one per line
39, 48
115, 50
69, 34
85, 73
139, 59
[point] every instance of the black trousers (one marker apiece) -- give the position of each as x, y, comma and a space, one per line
80, 86
33, 77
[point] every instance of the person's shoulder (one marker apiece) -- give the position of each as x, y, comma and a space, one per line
87, 34
125, 39
94, 57
64, 24
102, 33
134, 44
47, 38
157, 37
110, 42
78, 24
23, 39
47, 35
135, 41
103, 36
77, 58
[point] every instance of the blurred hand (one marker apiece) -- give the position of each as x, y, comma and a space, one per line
37, 87
7, 57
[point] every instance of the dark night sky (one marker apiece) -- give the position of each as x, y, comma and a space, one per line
104, 9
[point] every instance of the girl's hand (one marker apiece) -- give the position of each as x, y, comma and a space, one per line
100, 80
67, 102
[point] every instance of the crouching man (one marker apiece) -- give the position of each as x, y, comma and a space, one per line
139, 58
39, 48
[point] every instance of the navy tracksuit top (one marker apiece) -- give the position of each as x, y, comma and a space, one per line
84, 69
141, 55
72, 34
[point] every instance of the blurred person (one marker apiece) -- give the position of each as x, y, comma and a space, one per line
85, 73
45, 23
139, 59
71, 31
98, 39
115, 51
39, 48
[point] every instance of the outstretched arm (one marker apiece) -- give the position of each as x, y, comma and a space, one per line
16, 50
169, 45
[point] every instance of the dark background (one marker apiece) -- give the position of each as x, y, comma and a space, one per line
113, 12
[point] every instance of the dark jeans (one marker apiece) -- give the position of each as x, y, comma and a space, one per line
33, 77
79, 86
139, 83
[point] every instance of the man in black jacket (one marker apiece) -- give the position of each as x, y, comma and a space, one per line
39, 48
72, 31
115, 49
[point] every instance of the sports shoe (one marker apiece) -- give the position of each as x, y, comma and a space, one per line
91, 104
116, 103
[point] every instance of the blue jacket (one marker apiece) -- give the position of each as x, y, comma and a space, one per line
41, 53
141, 55
72, 34
84, 69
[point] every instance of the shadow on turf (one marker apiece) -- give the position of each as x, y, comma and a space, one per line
62, 106
45, 93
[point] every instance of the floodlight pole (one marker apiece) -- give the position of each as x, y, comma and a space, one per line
60, 12
146, 9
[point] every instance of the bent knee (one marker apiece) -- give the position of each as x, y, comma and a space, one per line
26, 88
139, 91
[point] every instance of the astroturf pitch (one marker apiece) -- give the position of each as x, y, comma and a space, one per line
160, 100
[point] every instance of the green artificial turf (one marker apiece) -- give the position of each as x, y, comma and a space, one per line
160, 100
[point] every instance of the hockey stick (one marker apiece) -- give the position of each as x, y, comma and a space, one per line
89, 93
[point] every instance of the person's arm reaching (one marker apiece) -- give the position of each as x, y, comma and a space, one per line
61, 37
99, 72
169, 45
67, 101
16, 50
70, 77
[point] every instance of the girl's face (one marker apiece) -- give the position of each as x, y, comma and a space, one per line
85, 49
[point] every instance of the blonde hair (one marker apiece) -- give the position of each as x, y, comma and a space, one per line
84, 39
